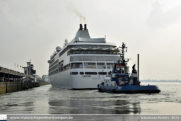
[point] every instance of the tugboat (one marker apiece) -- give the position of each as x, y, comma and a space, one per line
120, 81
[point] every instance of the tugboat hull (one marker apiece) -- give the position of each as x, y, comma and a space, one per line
129, 89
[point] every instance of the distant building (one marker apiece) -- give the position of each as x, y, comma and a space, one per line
45, 78
38, 78
29, 72
29, 69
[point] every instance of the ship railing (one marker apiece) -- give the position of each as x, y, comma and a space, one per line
109, 67
91, 66
77, 67
101, 67
96, 53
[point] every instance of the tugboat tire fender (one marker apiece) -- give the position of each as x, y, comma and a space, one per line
100, 90
113, 91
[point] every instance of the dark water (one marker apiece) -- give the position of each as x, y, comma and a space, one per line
49, 100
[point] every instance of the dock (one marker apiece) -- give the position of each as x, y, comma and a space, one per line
12, 81
10, 74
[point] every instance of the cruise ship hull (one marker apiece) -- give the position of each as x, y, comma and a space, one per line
67, 81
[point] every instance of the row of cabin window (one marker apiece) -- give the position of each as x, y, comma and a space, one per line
51, 61
86, 65
55, 63
61, 68
80, 65
65, 50
81, 73
92, 65
88, 73
92, 46
91, 52
84, 46
50, 69
54, 72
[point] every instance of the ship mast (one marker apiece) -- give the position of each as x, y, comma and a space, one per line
123, 61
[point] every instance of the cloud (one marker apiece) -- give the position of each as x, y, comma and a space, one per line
159, 18
5, 14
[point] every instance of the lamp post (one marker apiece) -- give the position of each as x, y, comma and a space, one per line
138, 67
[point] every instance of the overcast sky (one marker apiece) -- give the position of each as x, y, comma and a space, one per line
31, 30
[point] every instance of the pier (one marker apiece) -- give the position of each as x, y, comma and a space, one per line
8, 75
12, 81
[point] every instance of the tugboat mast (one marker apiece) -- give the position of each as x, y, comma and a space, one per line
123, 62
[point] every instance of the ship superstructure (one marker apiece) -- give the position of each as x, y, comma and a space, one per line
83, 63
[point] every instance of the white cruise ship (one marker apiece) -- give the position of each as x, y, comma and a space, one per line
83, 63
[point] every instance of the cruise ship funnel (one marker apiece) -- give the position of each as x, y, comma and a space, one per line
80, 27
85, 27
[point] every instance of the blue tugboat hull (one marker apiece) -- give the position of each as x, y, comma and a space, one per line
131, 89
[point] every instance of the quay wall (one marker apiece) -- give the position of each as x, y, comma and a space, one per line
2, 87
13, 86
7, 87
